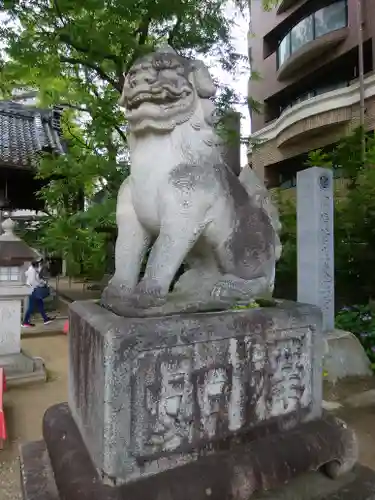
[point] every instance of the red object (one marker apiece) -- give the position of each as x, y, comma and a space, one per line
3, 429
66, 327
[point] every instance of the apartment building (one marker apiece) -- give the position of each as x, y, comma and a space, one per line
306, 53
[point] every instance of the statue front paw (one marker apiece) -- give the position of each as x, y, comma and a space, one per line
147, 294
115, 292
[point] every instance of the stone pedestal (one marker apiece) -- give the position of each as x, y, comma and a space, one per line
219, 405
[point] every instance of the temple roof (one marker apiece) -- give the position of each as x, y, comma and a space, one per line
27, 131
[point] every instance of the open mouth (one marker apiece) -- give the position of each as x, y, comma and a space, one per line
158, 100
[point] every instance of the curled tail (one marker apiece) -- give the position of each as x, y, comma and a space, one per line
259, 193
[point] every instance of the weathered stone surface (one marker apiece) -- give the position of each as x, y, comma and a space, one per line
151, 394
239, 471
331, 405
182, 197
345, 357
10, 320
22, 369
315, 256
37, 481
356, 485
363, 399
232, 150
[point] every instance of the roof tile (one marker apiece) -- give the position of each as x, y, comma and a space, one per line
25, 132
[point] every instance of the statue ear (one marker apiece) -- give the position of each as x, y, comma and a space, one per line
203, 81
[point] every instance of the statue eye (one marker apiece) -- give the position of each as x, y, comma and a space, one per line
158, 64
165, 63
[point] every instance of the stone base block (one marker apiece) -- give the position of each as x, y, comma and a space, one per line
242, 471
37, 480
345, 357
356, 485
151, 394
22, 369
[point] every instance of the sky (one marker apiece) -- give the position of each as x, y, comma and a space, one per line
240, 82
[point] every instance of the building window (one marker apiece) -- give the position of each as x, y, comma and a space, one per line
301, 34
321, 22
331, 18
287, 181
283, 52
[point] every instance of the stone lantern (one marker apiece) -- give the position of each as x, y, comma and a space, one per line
14, 256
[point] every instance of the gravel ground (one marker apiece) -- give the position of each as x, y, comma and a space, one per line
9, 480
24, 408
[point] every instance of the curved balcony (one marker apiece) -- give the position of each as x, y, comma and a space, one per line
315, 115
311, 37
310, 52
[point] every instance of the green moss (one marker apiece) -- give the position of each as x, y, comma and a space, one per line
261, 302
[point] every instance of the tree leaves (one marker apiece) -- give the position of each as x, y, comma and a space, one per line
354, 235
74, 54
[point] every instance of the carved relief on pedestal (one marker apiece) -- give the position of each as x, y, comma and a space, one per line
213, 389
184, 404
290, 382
164, 417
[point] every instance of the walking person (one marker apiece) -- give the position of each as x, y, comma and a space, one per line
36, 299
43, 269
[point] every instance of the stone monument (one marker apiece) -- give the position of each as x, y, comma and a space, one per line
14, 253
207, 391
345, 356
316, 279
232, 152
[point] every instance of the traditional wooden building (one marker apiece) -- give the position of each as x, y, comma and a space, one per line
25, 134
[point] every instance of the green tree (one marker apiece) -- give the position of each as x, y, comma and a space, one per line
354, 222
356, 218
286, 271
75, 54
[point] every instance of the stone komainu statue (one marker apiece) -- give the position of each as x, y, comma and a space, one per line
183, 199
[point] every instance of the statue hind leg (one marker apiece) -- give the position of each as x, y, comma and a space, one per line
202, 273
244, 280
232, 287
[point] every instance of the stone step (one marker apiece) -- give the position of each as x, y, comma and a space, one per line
36, 473
356, 485
38, 482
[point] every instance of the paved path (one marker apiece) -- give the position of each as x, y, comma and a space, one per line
25, 406
73, 290
42, 330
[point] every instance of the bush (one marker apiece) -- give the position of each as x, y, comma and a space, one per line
354, 223
360, 320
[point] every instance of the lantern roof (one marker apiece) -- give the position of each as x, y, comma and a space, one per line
13, 250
